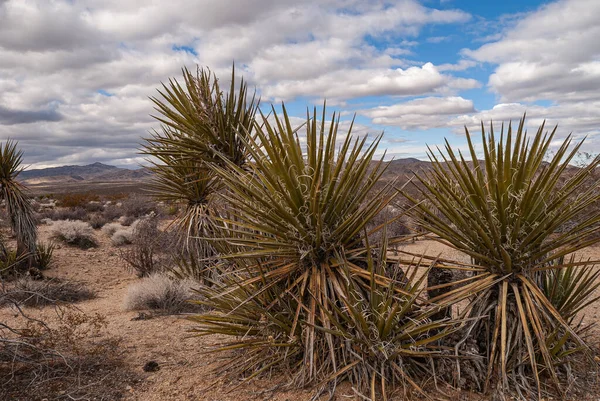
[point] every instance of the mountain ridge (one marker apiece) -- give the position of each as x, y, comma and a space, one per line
94, 172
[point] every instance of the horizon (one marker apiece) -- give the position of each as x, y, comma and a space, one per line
75, 84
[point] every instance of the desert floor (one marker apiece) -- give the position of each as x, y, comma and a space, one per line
185, 369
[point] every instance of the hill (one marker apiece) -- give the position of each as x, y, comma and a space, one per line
96, 172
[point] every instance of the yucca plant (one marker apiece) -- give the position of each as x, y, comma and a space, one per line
202, 122
18, 203
505, 212
190, 182
200, 125
305, 293
570, 289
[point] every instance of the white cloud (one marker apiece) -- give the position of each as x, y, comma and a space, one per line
57, 56
550, 54
424, 113
578, 118
349, 83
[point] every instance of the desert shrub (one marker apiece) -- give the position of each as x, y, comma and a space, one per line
117, 197
138, 206
122, 236
45, 221
44, 255
76, 233
160, 292
48, 360
76, 213
151, 250
29, 292
110, 228
112, 212
127, 221
77, 200
392, 219
98, 221
94, 207
503, 213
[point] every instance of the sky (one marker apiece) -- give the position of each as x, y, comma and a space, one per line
76, 76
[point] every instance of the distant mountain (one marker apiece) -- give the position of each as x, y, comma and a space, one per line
96, 172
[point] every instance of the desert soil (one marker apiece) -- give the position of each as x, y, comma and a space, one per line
186, 371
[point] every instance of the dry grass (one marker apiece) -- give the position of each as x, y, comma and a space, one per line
110, 228
159, 292
74, 232
35, 293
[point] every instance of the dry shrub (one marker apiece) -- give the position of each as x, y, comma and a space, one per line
160, 292
122, 236
98, 221
64, 359
76, 233
112, 212
77, 200
35, 293
77, 213
94, 206
127, 220
395, 226
151, 249
110, 228
137, 206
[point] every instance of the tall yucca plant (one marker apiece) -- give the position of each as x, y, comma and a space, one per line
200, 125
18, 204
504, 212
203, 123
182, 180
302, 269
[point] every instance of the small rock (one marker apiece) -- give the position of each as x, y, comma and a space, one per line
151, 366
142, 316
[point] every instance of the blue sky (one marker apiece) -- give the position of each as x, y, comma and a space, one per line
74, 84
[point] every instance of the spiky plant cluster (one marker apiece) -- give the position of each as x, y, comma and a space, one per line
298, 289
200, 125
505, 213
18, 204
306, 292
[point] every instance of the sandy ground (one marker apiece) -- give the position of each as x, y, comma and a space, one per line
185, 370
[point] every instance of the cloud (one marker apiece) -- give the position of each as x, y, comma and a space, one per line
424, 113
582, 119
350, 83
550, 54
54, 73
10, 116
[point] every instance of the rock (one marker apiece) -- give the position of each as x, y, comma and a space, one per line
142, 316
151, 366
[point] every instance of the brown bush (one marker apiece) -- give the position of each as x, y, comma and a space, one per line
77, 200
67, 358
70, 213
160, 292
151, 250
139, 206
98, 221
29, 292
